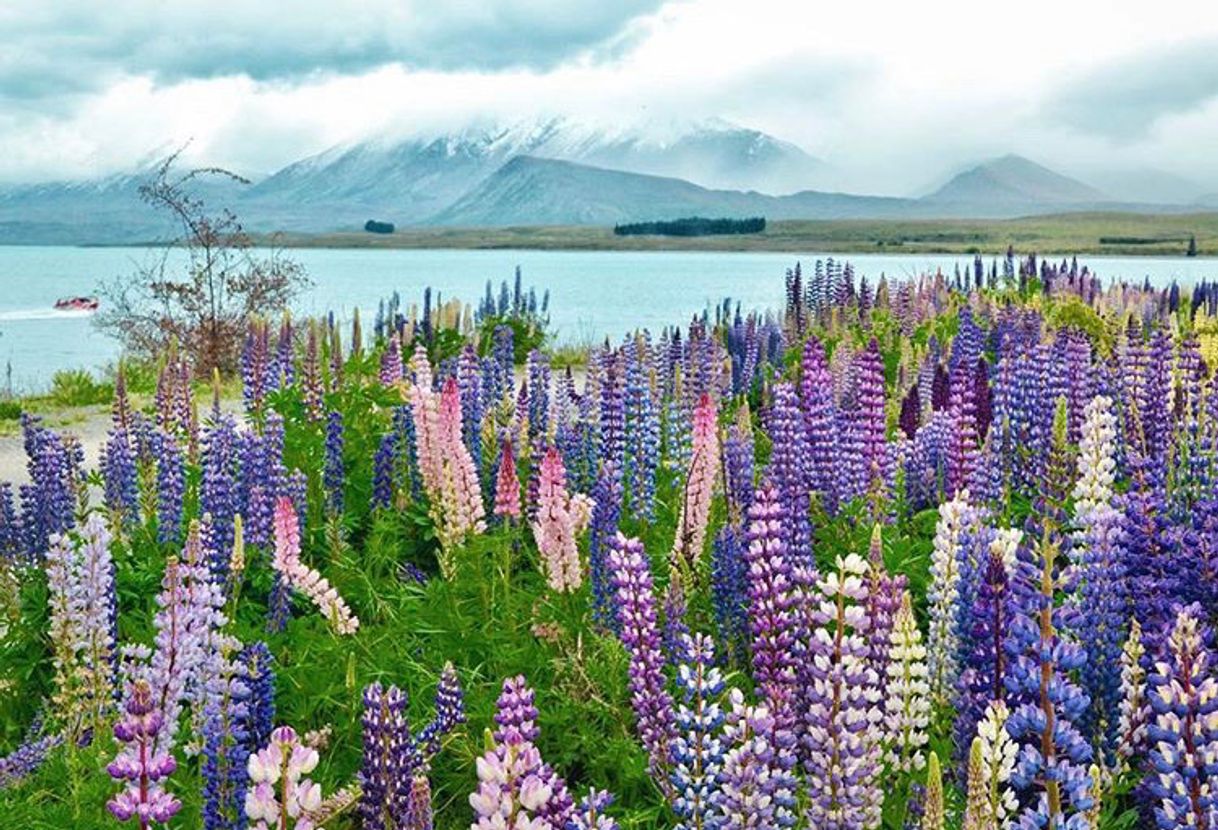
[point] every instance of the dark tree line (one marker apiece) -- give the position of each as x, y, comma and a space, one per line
692, 226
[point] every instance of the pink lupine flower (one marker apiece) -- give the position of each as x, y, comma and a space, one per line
286, 561
507, 484
445, 464
699, 487
557, 525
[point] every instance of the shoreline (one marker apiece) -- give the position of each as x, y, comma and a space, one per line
1053, 235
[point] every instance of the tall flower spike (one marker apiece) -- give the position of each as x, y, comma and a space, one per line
1052, 768
1184, 695
630, 575
690, 539
991, 802
758, 790
140, 765
943, 595
933, 815
507, 484
556, 526
697, 752
303, 578
450, 711
842, 751
907, 694
389, 761
773, 616
1135, 707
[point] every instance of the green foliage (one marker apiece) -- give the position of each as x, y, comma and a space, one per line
77, 387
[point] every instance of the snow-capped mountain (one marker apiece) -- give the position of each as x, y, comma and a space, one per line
410, 179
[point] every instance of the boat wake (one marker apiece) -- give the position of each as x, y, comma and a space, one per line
42, 314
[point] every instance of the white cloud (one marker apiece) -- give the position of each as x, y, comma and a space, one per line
892, 95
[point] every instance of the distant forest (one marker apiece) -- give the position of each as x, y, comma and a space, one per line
692, 226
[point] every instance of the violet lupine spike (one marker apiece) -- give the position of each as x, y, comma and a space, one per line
697, 751
786, 473
729, 592
140, 764
1184, 732
334, 476
449, 711
842, 752
1051, 773
218, 491
170, 486
119, 476
642, 429
869, 392
758, 787
390, 759
773, 616
606, 512
515, 713
630, 575
226, 740
738, 467
469, 385
391, 362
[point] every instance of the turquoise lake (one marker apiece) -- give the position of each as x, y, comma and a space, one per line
593, 294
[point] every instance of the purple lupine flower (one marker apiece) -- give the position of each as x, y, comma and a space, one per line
140, 764
312, 391
884, 593
1184, 736
255, 365
911, 413
384, 470
391, 362
537, 368
1051, 772
612, 417
120, 478
738, 467
606, 512
334, 476
962, 447
842, 751
26, 758
697, 750
170, 486
83, 612
260, 679
630, 575
390, 759
773, 616
12, 542
820, 419
983, 399
469, 388
758, 789
642, 426
218, 491
450, 711
675, 628
869, 414
982, 679
515, 714
48, 502
590, 813
787, 473
226, 739
729, 591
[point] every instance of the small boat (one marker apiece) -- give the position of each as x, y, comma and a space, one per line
77, 304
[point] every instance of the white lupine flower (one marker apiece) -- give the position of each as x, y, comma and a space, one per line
1096, 464
907, 692
943, 594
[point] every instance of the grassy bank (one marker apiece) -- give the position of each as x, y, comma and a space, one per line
1123, 234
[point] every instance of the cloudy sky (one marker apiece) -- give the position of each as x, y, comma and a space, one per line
893, 95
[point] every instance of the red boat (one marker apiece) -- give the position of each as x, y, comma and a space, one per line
77, 304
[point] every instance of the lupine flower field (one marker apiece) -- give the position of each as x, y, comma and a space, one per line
927, 553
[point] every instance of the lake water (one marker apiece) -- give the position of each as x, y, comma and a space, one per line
593, 294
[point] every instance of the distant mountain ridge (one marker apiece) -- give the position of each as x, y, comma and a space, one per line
1014, 179
554, 171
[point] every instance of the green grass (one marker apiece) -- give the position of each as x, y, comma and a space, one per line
1127, 234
